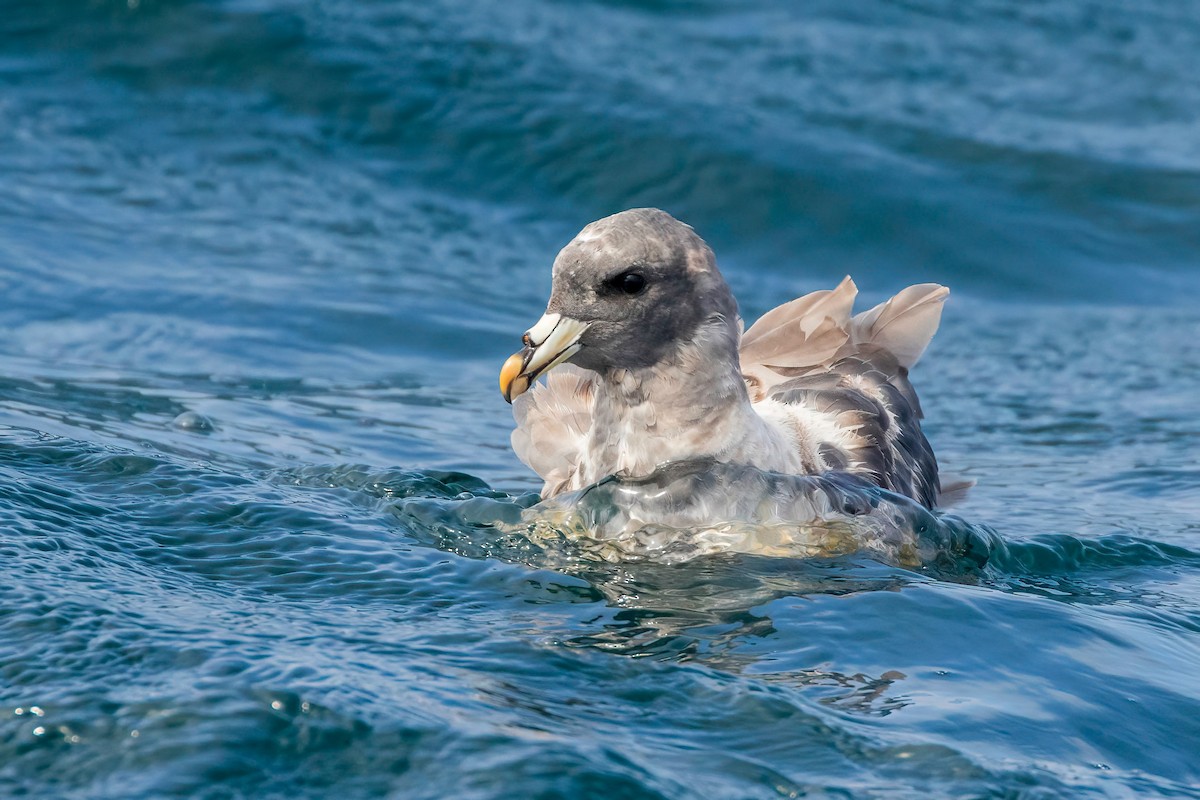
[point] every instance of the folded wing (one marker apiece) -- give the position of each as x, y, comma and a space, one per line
840, 383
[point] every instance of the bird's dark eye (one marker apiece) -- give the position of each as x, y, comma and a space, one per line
628, 282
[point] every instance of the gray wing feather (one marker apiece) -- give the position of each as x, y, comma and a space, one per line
868, 393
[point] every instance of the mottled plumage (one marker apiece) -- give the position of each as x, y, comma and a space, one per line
656, 369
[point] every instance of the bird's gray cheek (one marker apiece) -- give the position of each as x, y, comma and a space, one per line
570, 303
597, 335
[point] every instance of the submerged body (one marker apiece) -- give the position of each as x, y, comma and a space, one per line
686, 509
657, 371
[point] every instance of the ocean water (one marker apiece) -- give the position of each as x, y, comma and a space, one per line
260, 261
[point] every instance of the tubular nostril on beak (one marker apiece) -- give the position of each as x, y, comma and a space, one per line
552, 341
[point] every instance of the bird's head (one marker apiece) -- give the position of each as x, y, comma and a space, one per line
627, 292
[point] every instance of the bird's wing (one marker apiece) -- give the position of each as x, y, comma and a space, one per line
904, 325
553, 420
806, 332
851, 406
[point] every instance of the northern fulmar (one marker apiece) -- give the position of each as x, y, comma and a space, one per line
656, 369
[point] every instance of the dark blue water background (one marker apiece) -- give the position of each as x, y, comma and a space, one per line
322, 226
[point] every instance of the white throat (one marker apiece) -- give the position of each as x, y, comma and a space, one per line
692, 405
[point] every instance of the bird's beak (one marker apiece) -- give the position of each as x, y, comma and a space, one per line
550, 342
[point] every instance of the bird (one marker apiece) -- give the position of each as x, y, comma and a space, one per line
646, 363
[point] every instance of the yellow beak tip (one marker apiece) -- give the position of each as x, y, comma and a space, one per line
510, 377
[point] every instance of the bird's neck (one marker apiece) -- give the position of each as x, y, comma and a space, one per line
693, 404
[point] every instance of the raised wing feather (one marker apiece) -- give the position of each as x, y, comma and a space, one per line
904, 325
785, 335
805, 332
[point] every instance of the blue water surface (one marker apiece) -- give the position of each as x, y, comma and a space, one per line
260, 261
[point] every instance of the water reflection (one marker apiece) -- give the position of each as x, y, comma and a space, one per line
722, 611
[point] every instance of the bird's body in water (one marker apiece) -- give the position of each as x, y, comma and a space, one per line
656, 369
